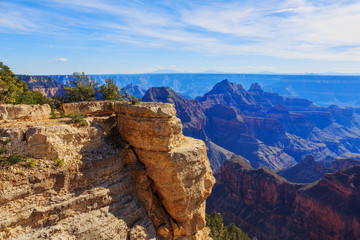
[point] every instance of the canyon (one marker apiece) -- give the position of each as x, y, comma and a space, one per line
264, 128
269, 207
129, 174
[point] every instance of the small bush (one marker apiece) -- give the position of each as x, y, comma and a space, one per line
13, 159
32, 162
52, 114
77, 118
3, 148
218, 231
129, 98
59, 162
62, 113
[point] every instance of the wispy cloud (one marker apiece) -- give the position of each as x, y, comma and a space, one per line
61, 59
295, 29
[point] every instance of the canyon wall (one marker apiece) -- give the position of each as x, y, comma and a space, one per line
267, 206
129, 174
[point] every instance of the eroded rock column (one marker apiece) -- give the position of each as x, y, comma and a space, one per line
177, 170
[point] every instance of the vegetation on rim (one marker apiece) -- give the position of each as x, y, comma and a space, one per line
218, 231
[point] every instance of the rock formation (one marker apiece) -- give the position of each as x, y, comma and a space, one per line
129, 174
309, 170
24, 112
269, 207
193, 119
48, 86
265, 128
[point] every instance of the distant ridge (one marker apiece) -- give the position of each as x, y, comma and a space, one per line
165, 71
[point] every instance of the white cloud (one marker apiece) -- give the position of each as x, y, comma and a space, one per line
295, 29
61, 59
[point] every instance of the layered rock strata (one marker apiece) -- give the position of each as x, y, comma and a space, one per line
24, 112
265, 128
129, 174
269, 207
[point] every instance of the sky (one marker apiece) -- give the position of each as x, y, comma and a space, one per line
136, 36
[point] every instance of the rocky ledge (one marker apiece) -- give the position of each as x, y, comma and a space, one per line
129, 174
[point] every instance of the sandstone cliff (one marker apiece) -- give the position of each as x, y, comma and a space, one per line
269, 207
129, 174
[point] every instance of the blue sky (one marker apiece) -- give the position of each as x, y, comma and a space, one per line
135, 36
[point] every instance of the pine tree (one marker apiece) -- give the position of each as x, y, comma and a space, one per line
81, 88
110, 91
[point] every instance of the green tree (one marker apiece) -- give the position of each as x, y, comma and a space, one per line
129, 98
110, 91
214, 221
10, 86
218, 231
32, 97
81, 88
16, 91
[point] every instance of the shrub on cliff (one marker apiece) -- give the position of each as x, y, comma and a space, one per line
10, 86
15, 91
6, 158
218, 231
81, 88
110, 91
77, 118
129, 98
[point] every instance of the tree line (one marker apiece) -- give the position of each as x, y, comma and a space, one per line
80, 88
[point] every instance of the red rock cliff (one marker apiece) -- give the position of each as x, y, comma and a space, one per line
268, 207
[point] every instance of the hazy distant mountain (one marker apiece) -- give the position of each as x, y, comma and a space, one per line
165, 71
321, 89
212, 71
135, 90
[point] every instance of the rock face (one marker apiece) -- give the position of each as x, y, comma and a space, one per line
129, 174
135, 90
265, 128
309, 170
24, 112
193, 119
48, 86
269, 207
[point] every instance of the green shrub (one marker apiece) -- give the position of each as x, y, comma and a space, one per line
218, 231
129, 98
110, 91
52, 114
12, 159
3, 148
5, 158
80, 88
32, 162
59, 162
77, 118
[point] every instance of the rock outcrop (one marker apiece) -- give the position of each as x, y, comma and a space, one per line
24, 112
269, 207
129, 174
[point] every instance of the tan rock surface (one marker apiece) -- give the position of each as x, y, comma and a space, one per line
24, 112
154, 182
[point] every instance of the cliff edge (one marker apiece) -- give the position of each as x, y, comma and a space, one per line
129, 174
